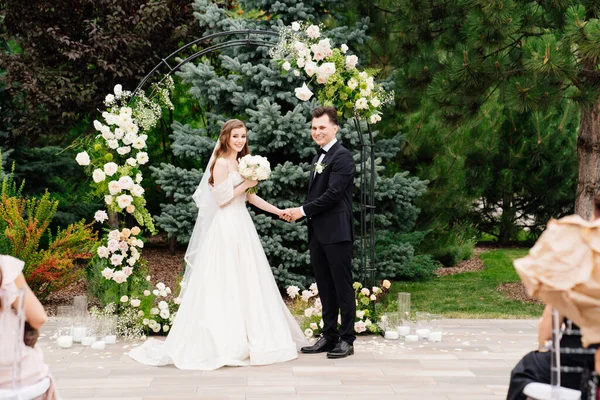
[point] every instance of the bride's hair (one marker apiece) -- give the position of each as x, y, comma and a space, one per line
223, 148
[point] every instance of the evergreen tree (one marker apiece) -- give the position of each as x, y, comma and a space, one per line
245, 83
458, 55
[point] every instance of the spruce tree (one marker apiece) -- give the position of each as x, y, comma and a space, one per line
245, 83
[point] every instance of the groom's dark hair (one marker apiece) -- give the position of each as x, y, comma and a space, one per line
330, 111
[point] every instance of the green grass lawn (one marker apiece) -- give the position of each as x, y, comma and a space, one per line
472, 294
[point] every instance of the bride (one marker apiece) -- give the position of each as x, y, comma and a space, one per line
231, 311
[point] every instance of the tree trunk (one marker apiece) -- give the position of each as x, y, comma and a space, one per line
588, 160
113, 219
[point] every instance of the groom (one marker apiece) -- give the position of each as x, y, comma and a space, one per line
328, 211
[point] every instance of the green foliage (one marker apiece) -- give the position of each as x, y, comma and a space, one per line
50, 260
73, 54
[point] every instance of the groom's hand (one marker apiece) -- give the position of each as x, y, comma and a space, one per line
294, 213
285, 215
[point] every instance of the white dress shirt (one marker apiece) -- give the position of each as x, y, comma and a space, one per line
327, 147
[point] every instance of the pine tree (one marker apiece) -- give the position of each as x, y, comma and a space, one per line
460, 55
245, 83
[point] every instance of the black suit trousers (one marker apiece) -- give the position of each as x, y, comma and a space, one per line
332, 266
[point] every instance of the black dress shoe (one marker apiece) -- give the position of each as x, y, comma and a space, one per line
321, 346
342, 350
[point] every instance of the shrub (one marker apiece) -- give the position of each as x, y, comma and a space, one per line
50, 261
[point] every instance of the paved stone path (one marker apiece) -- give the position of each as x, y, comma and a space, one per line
473, 363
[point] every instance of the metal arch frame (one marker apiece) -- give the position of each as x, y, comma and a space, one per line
255, 37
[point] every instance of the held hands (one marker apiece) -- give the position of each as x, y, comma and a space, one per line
290, 214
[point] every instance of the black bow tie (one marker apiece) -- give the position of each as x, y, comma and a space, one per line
321, 151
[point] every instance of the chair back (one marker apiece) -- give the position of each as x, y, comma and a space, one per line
12, 327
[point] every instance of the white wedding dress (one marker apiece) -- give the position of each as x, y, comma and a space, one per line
232, 312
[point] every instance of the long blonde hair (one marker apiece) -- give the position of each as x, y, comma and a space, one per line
223, 148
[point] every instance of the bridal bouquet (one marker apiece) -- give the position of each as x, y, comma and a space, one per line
256, 168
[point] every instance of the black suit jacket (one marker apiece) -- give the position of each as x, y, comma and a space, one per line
328, 208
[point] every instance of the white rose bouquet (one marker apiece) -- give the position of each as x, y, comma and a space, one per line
256, 168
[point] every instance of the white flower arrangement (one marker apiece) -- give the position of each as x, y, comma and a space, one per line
256, 168
302, 49
308, 308
114, 159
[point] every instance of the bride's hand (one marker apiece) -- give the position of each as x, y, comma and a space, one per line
250, 183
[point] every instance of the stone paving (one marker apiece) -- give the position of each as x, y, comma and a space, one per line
472, 363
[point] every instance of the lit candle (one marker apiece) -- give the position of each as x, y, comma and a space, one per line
411, 338
110, 339
393, 335
403, 330
99, 345
435, 336
64, 341
423, 333
87, 340
78, 333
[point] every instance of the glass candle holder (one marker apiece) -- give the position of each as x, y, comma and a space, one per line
64, 327
435, 333
110, 333
393, 320
423, 325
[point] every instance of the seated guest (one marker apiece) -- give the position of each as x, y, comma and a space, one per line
33, 368
535, 366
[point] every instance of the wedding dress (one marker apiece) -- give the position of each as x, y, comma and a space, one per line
232, 312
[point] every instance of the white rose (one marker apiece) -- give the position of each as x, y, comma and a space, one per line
296, 72
373, 297
97, 125
308, 312
303, 93
124, 299
365, 291
295, 26
130, 208
126, 182
351, 62
344, 48
124, 150
360, 314
119, 133
131, 161
145, 321
308, 332
118, 90
137, 190
360, 327
113, 245
103, 252
166, 328
123, 246
352, 83
124, 200
361, 104
375, 118
306, 294
142, 157
138, 177
386, 284
128, 270
286, 66
126, 111
293, 291
98, 175
83, 158
139, 143
116, 260
164, 314
114, 234
161, 286
154, 311
162, 305
110, 168
146, 293
327, 68
300, 62
112, 144
310, 68
108, 199
131, 261
313, 288
107, 273
135, 302
314, 326
375, 102
129, 138
101, 216
135, 231
109, 98
114, 187
313, 32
